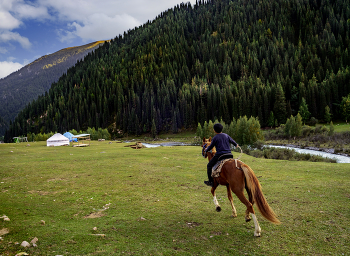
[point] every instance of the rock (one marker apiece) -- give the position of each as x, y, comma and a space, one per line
25, 244
103, 235
35, 239
4, 231
94, 228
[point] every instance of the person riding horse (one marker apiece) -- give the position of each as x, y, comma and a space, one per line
221, 142
237, 177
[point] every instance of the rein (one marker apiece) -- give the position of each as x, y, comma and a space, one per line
241, 153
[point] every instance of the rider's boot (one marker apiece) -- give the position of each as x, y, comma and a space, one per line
209, 183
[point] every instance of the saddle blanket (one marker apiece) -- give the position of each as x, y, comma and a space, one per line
217, 168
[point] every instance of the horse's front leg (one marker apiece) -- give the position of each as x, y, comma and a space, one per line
217, 206
230, 198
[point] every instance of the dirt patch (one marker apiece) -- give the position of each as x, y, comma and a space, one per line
42, 193
55, 179
193, 224
94, 215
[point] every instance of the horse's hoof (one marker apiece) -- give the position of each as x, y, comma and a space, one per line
218, 209
257, 234
234, 215
247, 220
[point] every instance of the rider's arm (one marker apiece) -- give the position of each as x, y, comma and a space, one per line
212, 144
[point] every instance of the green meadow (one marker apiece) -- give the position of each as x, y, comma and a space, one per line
108, 199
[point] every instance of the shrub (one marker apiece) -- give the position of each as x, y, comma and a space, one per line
306, 131
313, 121
285, 154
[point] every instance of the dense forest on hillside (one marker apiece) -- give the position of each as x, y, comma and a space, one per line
26, 84
219, 59
3, 126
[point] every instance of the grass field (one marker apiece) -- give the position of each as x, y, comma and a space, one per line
108, 199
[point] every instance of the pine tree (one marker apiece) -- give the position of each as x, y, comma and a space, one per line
327, 114
298, 125
271, 120
304, 111
199, 131
279, 108
345, 108
153, 129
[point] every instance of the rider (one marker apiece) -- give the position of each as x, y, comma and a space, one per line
221, 142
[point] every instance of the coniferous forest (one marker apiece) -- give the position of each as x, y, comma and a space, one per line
218, 59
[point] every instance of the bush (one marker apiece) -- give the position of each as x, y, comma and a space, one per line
284, 154
313, 121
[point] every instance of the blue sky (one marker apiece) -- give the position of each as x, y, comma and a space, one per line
31, 29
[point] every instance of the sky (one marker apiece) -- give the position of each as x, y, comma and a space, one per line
31, 29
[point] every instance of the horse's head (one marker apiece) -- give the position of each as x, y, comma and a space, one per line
205, 144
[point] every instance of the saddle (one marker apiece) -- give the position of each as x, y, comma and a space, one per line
216, 170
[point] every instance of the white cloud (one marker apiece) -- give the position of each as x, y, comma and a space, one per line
99, 26
8, 36
25, 11
7, 21
8, 67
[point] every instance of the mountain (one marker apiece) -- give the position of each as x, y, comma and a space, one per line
26, 84
217, 59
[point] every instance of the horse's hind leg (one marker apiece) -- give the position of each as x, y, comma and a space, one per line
230, 198
247, 215
217, 206
244, 200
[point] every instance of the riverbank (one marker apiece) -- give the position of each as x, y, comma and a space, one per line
303, 144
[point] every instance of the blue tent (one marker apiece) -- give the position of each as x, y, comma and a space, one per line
70, 137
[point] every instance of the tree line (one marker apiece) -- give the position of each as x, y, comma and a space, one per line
217, 59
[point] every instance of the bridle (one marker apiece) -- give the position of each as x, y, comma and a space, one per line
204, 154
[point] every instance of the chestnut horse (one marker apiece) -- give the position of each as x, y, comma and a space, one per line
236, 176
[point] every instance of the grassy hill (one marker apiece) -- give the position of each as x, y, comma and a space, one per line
26, 84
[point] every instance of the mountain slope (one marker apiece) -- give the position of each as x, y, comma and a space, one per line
26, 84
218, 59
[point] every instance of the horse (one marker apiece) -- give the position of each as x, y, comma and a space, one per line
236, 176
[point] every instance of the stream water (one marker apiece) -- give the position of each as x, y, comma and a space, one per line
338, 158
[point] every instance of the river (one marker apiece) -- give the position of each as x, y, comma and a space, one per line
338, 158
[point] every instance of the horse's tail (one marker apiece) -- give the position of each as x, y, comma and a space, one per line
254, 187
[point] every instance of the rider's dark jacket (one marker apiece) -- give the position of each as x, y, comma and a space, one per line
221, 142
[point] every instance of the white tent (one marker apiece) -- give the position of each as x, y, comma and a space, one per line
57, 140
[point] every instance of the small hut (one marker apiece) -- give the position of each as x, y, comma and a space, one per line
57, 140
81, 140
